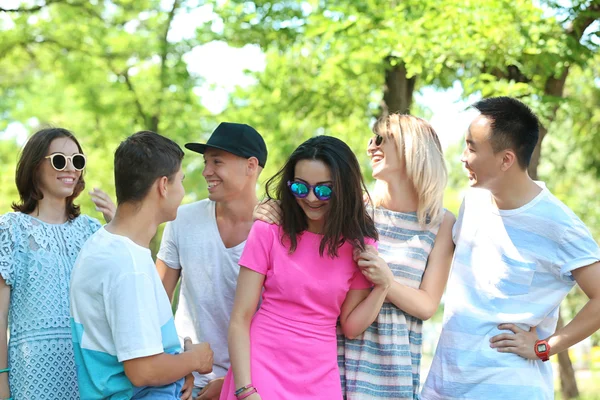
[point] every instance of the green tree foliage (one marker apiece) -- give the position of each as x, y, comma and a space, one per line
104, 70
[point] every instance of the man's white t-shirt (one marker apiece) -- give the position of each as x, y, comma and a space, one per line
510, 266
119, 311
209, 274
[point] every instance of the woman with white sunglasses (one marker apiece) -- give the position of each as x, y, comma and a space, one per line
39, 243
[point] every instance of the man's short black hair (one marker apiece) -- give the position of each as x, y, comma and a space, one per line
140, 160
514, 126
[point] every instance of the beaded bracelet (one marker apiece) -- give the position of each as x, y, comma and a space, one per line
248, 394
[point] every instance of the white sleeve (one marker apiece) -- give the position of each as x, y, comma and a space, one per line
133, 317
577, 249
169, 253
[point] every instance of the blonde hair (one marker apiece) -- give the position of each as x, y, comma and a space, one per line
420, 150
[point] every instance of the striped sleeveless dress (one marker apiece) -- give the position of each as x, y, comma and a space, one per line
384, 362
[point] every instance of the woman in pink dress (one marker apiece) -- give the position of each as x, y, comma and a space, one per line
306, 272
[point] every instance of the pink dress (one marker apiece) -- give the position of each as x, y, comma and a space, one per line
293, 347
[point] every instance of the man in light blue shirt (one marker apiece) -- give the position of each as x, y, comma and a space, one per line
519, 251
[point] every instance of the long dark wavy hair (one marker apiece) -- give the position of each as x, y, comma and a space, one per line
28, 171
347, 218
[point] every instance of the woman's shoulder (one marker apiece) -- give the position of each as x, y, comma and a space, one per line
9, 217
12, 220
446, 223
264, 231
14, 226
448, 217
86, 222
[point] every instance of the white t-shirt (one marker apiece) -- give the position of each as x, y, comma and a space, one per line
119, 311
209, 274
510, 266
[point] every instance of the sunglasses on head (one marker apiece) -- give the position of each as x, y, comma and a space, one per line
59, 161
301, 190
378, 140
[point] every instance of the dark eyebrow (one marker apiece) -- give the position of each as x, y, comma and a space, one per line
318, 183
470, 142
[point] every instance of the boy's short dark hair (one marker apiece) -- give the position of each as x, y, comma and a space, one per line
514, 126
140, 160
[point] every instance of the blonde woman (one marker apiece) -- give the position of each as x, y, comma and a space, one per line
416, 245
415, 234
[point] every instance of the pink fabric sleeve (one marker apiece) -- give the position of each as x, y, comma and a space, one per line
359, 281
257, 251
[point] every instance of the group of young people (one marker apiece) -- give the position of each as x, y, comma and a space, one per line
319, 292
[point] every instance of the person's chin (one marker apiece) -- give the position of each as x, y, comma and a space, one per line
64, 193
214, 196
376, 171
315, 216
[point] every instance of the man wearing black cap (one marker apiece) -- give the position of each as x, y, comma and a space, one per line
204, 244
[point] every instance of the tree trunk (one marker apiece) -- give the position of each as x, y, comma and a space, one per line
568, 383
399, 89
554, 88
537, 153
154, 120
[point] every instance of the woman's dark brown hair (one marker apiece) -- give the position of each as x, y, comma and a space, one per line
347, 218
28, 171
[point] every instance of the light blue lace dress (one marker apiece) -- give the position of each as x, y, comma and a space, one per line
36, 260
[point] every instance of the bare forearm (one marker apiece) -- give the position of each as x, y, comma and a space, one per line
365, 313
415, 302
4, 388
168, 276
159, 370
239, 351
3, 346
585, 323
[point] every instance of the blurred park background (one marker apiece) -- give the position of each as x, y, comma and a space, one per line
293, 69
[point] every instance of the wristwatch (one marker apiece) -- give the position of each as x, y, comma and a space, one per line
542, 350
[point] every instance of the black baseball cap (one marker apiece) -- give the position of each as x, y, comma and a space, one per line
239, 139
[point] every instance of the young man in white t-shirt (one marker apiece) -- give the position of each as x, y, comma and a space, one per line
124, 338
204, 244
519, 251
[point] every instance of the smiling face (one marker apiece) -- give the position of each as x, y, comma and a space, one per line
385, 157
226, 174
313, 172
59, 184
482, 164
